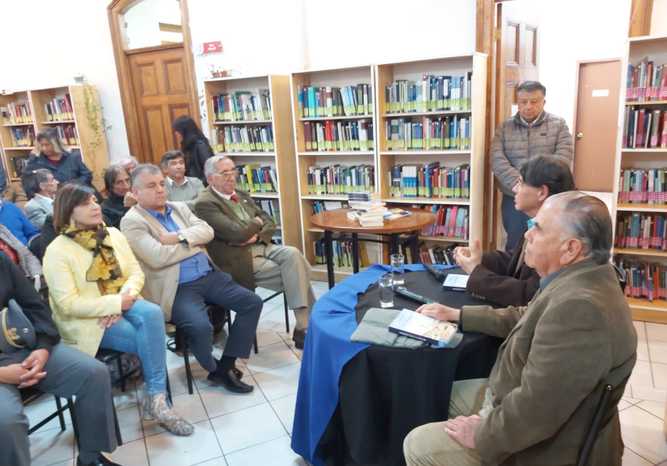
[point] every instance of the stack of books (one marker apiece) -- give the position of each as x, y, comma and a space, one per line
430, 180
242, 106
68, 134
644, 128
244, 139
255, 179
338, 135
340, 179
450, 222
428, 133
59, 108
319, 102
432, 93
16, 113
646, 81
639, 230
648, 281
645, 186
23, 136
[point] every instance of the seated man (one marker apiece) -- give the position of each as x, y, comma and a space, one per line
242, 244
41, 187
501, 277
180, 188
53, 368
538, 403
15, 220
169, 241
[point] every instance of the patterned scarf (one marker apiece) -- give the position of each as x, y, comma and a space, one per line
105, 269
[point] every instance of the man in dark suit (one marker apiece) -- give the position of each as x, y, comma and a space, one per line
501, 277
242, 243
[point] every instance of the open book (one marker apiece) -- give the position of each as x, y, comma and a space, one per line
414, 325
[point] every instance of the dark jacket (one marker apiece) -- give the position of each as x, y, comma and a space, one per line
70, 168
38, 245
196, 154
3, 180
15, 285
113, 210
504, 278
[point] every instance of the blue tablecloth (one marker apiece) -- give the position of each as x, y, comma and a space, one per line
327, 349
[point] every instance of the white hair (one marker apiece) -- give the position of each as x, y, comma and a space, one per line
212, 163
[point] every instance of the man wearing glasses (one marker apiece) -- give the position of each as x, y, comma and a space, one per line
169, 242
242, 244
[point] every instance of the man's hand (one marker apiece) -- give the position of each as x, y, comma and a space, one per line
11, 374
469, 258
129, 199
440, 312
169, 239
259, 220
252, 240
462, 429
34, 365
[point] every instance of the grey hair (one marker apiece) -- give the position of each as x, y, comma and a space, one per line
51, 135
587, 219
212, 162
141, 169
531, 86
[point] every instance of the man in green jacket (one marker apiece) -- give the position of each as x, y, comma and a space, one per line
537, 405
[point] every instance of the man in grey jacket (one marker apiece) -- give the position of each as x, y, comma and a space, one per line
529, 133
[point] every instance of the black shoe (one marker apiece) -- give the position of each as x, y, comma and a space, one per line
237, 372
230, 381
299, 337
100, 461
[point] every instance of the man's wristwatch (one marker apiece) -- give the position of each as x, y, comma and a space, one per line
182, 239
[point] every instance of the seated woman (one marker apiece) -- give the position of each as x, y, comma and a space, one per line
119, 197
94, 283
501, 277
40, 187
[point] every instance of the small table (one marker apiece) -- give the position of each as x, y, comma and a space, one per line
336, 220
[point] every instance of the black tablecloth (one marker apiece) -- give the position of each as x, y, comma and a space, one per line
386, 392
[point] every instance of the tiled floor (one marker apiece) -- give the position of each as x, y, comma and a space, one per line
255, 429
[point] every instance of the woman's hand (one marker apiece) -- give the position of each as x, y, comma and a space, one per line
440, 312
126, 300
107, 321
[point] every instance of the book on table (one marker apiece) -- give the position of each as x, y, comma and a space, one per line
435, 332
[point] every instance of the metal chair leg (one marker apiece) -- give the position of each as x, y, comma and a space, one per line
286, 312
119, 438
188, 370
169, 397
75, 425
61, 418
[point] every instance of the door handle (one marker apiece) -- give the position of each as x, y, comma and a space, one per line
580, 135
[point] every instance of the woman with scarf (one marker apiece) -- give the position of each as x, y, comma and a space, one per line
94, 284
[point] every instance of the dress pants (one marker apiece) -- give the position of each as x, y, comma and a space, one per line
189, 313
69, 372
514, 222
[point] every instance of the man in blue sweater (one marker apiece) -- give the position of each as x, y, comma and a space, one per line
15, 220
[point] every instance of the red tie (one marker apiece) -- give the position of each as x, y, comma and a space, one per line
234, 198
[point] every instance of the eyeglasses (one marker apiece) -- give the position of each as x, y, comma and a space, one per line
230, 173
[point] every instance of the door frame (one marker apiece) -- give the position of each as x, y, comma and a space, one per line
115, 10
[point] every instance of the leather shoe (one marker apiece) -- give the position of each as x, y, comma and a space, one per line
100, 461
237, 372
299, 337
230, 381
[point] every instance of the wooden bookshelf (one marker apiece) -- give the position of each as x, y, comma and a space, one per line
281, 158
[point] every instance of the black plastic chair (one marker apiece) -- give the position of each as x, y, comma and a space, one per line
30, 395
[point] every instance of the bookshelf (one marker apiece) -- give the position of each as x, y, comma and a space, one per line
260, 139
75, 110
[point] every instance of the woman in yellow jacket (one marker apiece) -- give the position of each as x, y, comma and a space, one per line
94, 284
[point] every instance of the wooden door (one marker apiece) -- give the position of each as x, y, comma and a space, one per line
596, 125
161, 88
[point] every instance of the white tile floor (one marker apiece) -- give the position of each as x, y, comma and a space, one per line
238, 430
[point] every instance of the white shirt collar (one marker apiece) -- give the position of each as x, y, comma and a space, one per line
44, 197
222, 195
530, 124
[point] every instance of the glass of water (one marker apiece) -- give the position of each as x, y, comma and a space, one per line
397, 262
386, 290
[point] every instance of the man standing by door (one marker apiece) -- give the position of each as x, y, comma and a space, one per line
529, 133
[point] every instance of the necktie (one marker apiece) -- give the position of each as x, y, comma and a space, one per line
234, 198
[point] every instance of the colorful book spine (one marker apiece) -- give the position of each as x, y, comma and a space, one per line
430, 180
59, 108
16, 113
342, 253
450, 222
254, 178
244, 139
428, 133
338, 135
646, 81
327, 101
644, 280
271, 207
640, 230
340, 179
433, 93
242, 106
435, 255
644, 128
68, 134
643, 186
23, 136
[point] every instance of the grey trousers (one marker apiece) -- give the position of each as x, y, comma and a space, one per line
69, 372
284, 268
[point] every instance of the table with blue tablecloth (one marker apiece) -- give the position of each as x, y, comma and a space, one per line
356, 402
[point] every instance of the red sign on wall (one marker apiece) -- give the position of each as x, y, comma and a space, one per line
211, 47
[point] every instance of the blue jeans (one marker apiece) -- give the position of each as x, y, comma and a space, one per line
514, 222
141, 331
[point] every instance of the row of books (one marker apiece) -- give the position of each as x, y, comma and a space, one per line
645, 186
68, 134
644, 280
432, 93
59, 108
644, 128
445, 133
321, 206
430, 180
450, 221
271, 207
435, 255
340, 179
16, 113
242, 105
641, 230
342, 253
338, 135
23, 136
327, 101
254, 178
646, 81
244, 139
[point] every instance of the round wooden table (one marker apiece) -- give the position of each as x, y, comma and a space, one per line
336, 221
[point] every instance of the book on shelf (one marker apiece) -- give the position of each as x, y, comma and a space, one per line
430, 180
645, 186
431, 94
242, 105
450, 222
342, 253
272, 209
254, 178
59, 108
434, 255
19, 163
23, 136
644, 280
322, 206
328, 101
340, 179
68, 134
428, 133
244, 139
644, 128
14, 113
646, 81
333, 135
641, 230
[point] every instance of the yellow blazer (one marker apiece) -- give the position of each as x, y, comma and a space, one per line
77, 303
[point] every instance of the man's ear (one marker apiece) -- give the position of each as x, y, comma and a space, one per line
543, 193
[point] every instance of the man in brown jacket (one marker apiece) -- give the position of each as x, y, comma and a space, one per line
530, 132
538, 403
242, 244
